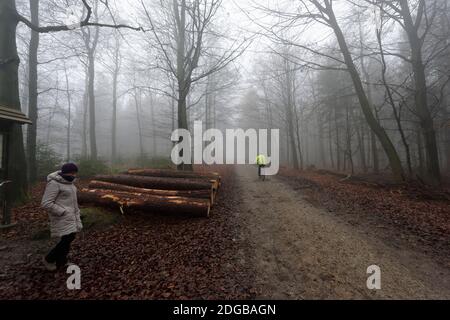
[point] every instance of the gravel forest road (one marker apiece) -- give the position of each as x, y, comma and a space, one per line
300, 251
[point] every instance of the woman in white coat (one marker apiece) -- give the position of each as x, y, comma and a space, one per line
60, 200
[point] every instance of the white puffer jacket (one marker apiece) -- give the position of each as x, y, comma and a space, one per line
60, 200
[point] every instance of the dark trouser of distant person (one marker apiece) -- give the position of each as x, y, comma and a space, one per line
260, 173
58, 254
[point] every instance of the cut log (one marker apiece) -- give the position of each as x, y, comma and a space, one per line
198, 194
158, 182
174, 174
212, 177
145, 203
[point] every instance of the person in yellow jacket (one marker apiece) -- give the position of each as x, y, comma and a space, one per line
261, 163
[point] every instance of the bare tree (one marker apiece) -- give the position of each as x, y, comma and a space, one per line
91, 42
9, 84
417, 25
322, 12
33, 93
180, 35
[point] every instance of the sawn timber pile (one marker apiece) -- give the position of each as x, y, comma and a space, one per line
154, 191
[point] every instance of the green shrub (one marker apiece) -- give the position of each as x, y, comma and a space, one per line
88, 168
92, 218
98, 218
47, 159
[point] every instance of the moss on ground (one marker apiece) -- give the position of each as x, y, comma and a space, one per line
92, 218
98, 218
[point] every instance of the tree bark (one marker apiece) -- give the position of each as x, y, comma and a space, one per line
33, 93
421, 97
338, 143
69, 115
198, 194
173, 174
373, 138
9, 96
145, 203
114, 106
137, 102
299, 141
388, 146
330, 138
349, 151
420, 153
91, 49
91, 93
154, 133
289, 111
397, 114
158, 182
446, 117
84, 134
183, 80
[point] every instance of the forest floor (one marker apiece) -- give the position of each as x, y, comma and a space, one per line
135, 256
313, 237
302, 235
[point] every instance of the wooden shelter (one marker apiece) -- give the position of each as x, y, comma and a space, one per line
8, 118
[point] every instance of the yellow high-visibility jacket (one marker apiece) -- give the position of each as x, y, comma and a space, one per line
261, 160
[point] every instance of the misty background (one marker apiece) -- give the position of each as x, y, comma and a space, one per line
354, 86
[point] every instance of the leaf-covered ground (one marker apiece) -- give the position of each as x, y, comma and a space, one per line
139, 256
253, 245
410, 212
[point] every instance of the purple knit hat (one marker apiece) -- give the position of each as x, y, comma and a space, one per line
69, 168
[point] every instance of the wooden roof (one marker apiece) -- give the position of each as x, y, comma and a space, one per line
13, 115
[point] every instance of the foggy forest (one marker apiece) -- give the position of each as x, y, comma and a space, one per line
358, 89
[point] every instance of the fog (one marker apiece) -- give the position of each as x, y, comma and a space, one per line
354, 86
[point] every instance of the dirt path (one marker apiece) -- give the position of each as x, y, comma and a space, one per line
303, 252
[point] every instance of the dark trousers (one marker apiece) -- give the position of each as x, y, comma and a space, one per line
59, 253
260, 170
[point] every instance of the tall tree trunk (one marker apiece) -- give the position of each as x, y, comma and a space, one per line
32, 93
397, 113
173, 114
362, 148
388, 146
445, 22
299, 141
291, 129
373, 137
446, 117
91, 93
320, 125
420, 153
330, 140
91, 47
422, 109
114, 112
290, 105
114, 122
320, 129
69, 115
349, 151
84, 133
9, 96
137, 100
52, 113
360, 127
338, 144
183, 81
154, 132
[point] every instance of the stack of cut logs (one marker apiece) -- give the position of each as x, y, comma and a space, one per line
154, 190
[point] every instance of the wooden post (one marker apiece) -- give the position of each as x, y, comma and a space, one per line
4, 190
